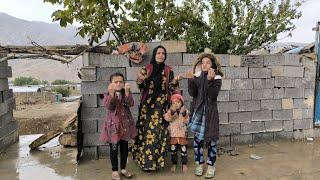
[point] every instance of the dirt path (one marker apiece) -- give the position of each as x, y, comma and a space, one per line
41, 118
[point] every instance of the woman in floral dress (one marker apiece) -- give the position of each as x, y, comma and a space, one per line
156, 83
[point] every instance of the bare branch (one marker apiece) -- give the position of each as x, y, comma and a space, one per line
33, 56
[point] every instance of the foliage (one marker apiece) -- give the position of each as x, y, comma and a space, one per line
60, 82
62, 90
226, 26
21, 81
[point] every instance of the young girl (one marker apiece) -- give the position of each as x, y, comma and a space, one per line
119, 126
178, 116
204, 88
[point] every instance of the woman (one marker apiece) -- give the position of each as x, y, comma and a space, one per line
156, 83
204, 87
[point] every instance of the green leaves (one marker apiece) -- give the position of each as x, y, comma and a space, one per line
229, 26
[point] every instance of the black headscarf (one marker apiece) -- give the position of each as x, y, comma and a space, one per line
156, 75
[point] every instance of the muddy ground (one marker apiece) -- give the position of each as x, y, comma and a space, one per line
279, 161
41, 118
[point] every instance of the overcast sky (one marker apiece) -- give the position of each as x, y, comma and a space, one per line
37, 10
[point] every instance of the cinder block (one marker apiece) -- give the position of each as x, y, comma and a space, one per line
263, 115
263, 83
226, 84
262, 137
291, 71
223, 58
91, 152
309, 67
273, 126
98, 87
299, 103
100, 125
92, 139
251, 61
132, 72
4, 84
292, 60
283, 135
93, 113
305, 83
240, 117
241, 139
236, 95
88, 74
224, 141
307, 113
278, 93
297, 114
89, 126
223, 118
298, 134
174, 46
241, 84
229, 129
271, 104
6, 118
262, 94
284, 82
235, 72
273, 60
235, 61
287, 103
282, 114
189, 59
288, 125
90, 100
302, 124
174, 59
104, 151
259, 73
228, 106
4, 108
105, 60
5, 72
253, 105
103, 74
277, 71
223, 96
253, 127
294, 92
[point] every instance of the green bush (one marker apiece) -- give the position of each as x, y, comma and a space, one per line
21, 81
60, 82
62, 90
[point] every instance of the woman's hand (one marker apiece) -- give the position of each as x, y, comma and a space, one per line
211, 74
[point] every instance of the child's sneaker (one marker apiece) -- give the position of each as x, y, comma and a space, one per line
199, 170
210, 172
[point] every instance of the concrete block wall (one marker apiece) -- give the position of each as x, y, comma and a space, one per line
8, 125
262, 97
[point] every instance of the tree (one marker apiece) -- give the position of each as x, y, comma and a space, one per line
60, 82
226, 26
62, 90
21, 81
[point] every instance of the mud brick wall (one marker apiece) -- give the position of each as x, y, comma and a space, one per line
262, 98
8, 125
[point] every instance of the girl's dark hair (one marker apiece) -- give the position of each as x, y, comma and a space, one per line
116, 74
213, 61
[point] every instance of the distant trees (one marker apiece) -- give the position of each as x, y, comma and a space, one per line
21, 81
60, 82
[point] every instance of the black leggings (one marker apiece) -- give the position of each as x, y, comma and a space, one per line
183, 152
123, 154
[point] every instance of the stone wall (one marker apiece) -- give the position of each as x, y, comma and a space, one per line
262, 97
8, 125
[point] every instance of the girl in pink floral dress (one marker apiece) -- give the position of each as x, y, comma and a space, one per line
119, 126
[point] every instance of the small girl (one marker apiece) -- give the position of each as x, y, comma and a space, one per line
119, 126
204, 87
178, 117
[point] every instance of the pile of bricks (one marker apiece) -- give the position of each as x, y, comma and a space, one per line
8, 125
262, 97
